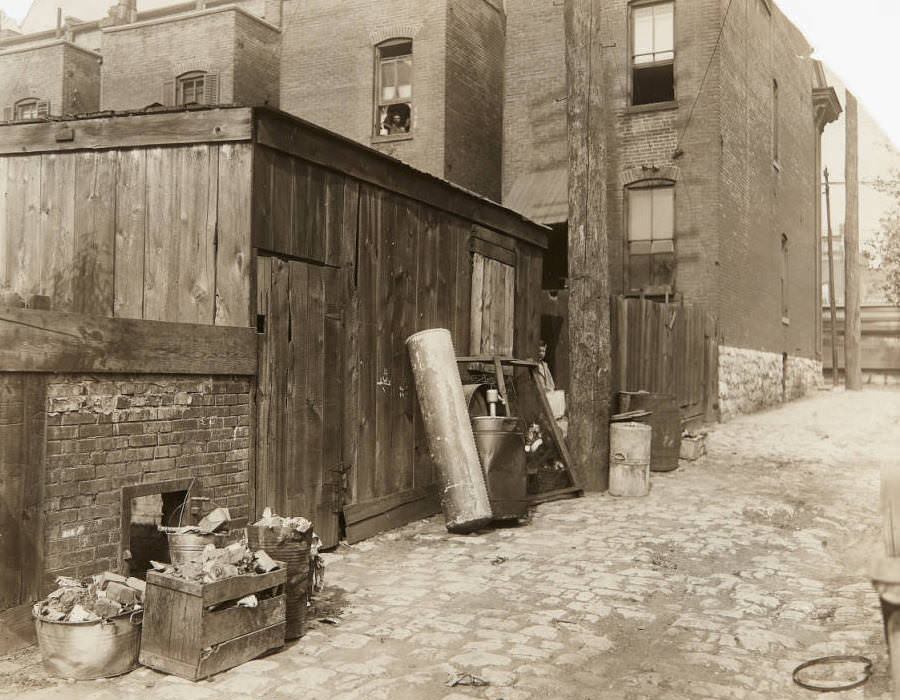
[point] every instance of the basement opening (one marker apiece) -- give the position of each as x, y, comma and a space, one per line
144, 508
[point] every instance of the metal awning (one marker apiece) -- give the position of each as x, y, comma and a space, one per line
542, 196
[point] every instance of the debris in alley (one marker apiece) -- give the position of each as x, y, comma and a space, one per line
467, 679
215, 564
100, 597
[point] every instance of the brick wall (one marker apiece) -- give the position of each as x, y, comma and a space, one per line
36, 72
257, 62
759, 202
139, 58
731, 205
104, 433
474, 98
534, 108
328, 69
81, 81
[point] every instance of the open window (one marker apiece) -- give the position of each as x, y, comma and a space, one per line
650, 259
652, 53
393, 88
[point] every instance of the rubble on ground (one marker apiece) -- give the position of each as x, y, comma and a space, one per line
99, 597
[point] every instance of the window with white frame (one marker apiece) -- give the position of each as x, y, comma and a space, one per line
191, 89
393, 88
652, 53
30, 108
650, 259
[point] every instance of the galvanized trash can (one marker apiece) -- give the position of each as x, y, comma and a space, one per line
186, 547
500, 441
629, 459
87, 650
294, 552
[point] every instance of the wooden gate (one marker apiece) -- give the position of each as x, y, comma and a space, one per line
667, 348
299, 452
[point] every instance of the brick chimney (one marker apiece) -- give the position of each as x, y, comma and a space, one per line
123, 12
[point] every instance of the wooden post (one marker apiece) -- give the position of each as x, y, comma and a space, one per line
852, 327
831, 303
885, 571
589, 317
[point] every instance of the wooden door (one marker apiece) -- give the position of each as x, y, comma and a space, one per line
493, 307
299, 404
23, 412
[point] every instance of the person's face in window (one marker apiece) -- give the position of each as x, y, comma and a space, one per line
542, 352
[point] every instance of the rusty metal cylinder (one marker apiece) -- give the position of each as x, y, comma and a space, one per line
464, 496
294, 552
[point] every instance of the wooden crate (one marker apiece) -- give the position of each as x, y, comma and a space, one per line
183, 637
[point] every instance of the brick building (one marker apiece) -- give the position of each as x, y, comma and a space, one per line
435, 68
713, 170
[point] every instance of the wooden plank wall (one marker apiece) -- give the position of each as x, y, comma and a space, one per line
404, 266
667, 348
158, 233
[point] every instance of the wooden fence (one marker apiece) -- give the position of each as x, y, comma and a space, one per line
667, 348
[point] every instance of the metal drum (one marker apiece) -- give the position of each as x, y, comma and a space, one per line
295, 555
501, 447
629, 459
665, 419
86, 650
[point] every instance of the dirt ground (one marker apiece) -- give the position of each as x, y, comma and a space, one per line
734, 570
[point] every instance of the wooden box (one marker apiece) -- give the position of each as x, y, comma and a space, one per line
182, 636
692, 447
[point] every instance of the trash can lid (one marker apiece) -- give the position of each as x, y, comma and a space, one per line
629, 416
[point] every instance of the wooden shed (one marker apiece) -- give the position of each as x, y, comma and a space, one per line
334, 253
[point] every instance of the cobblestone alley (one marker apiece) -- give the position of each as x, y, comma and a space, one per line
734, 570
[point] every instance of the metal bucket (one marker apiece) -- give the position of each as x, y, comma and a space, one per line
501, 446
629, 459
86, 650
295, 555
665, 419
188, 547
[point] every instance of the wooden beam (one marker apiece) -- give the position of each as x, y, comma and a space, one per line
589, 316
150, 129
53, 341
286, 133
16, 629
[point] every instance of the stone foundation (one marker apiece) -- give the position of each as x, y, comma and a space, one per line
751, 380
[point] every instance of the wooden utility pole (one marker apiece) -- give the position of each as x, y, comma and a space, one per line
852, 327
831, 302
589, 322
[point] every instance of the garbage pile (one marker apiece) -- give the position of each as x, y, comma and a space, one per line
285, 528
215, 564
214, 521
99, 597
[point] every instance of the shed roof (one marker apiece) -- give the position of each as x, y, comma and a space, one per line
542, 196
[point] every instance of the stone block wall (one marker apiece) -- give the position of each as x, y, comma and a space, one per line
802, 376
108, 432
751, 380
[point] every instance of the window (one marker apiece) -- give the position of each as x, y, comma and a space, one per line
775, 118
650, 264
652, 53
29, 108
193, 88
393, 89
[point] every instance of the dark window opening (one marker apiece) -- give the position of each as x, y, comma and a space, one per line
556, 259
653, 84
146, 541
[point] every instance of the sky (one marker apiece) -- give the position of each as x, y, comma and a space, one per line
856, 39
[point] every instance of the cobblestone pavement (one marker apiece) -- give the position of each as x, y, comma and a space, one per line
735, 569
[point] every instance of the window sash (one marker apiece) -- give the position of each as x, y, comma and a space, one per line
651, 213
395, 80
27, 110
653, 34
192, 90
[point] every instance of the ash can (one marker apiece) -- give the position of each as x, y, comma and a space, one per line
500, 441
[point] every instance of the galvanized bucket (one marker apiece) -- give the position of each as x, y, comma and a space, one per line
295, 555
87, 650
188, 547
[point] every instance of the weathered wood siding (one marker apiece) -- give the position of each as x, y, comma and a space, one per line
160, 233
397, 265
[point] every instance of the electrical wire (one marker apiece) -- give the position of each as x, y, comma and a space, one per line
705, 74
